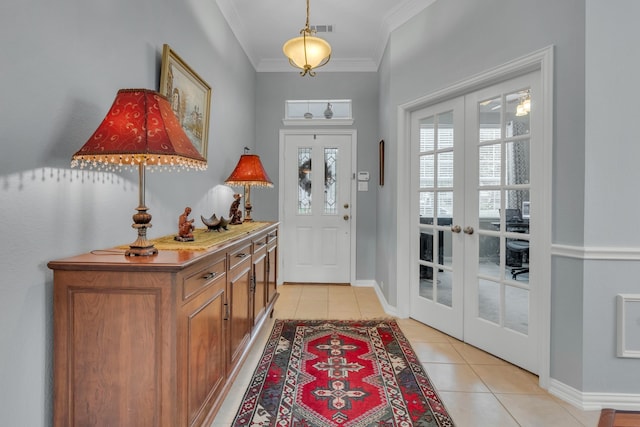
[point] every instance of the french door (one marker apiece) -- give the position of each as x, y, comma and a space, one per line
475, 185
316, 206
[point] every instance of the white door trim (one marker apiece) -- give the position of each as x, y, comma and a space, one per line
353, 133
539, 60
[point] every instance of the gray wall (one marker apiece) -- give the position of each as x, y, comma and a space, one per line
62, 65
273, 89
611, 177
594, 158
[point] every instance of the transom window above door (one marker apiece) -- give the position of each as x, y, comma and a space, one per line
314, 112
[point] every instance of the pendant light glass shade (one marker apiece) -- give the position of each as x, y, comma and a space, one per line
307, 51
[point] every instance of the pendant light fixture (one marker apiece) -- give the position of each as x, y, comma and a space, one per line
307, 51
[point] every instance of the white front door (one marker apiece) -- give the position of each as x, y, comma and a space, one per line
476, 178
316, 206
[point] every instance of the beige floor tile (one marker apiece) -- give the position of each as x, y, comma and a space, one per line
415, 331
319, 305
476, 410
537, 410
344, 304
587, 418
508, 379
436, 352
311, 314
454, 377
479, 390
343, 315
475, 356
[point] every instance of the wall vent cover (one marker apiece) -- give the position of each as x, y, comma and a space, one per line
322, 28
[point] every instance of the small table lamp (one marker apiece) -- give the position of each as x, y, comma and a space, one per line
250, 173
139, 130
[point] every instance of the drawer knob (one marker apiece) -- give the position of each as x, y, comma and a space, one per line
241, 255
210, 275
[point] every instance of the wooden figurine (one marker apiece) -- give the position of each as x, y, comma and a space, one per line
185, 227
235, 214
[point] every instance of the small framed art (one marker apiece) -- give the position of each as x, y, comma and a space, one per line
381, 160
189, 95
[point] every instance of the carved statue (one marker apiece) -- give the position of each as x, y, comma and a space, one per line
185, 227
235, 214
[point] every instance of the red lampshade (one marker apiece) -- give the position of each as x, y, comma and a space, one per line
140, 128
249, 171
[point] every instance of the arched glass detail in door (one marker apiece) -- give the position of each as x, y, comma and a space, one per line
504, 210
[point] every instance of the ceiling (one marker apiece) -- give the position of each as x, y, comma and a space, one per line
360, 28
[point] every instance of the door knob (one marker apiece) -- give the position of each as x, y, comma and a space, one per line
468, 230
346, 217
456, 228
346, 205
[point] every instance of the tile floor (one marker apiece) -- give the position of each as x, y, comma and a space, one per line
479, 390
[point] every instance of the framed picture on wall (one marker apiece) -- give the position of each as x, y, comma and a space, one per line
189, 95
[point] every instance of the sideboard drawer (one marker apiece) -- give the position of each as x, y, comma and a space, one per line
239, 255
201, 276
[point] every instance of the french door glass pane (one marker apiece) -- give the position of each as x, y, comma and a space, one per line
445, 207
445, 169
426, 282
427, 135
517, 162
304, 180
489, 300
427, 171
445, 130
514, 201
426, 207
516, 309
489, 209
444, 287
330, 181
517, 113
518, 260
489, 158
489, 256
489, 115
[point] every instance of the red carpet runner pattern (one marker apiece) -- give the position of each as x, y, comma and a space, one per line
321, 373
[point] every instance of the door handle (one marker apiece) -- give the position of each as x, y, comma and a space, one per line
468, 230
346, 217
456, 228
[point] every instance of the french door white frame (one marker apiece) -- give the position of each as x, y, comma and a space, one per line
353, 133
540, 60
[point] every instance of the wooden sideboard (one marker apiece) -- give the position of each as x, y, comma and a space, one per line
157, 341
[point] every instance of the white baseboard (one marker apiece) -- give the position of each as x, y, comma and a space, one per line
594, 401
389, 309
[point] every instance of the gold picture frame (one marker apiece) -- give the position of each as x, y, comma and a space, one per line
189, 96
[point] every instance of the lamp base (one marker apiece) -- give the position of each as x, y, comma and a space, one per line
136, 251
141, 247
247, 213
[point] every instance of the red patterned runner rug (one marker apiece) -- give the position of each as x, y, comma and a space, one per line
325, 373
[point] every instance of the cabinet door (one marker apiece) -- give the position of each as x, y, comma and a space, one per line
259, 280
204, 336
240, 303
272, 267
